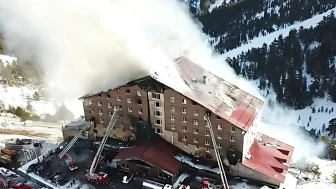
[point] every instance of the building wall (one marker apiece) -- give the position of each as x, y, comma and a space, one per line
186, 127
151, 172
157, 112
246, 172
101, 106
249, 137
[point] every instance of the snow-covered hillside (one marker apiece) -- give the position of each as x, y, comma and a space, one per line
20, 96
258, 42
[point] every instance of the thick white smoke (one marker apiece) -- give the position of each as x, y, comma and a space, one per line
87, 46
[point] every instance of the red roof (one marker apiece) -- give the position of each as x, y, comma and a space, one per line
270, 157
153, 154
219, 96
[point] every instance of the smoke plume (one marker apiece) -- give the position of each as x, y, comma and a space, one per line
87, 46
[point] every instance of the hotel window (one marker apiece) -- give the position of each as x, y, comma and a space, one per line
195, 131
195, 140
172, 117
195, 122
118, 98
195, 113
100, 111
158, 131
158, 113
184, 101
220, 127
184, 128
184, 119
109, 105
157, 104
172, 99
138, 93
128, 91
156, 95
207, 142
140, 111
233, 129
99, 103
108, 96
196, 154
207, 149
129, 109
172, 109
184, 110
207, 133
184, 137
219, 136
172, 126
232, 139
158, 122
128, 100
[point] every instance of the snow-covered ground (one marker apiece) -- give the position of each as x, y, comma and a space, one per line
7, 59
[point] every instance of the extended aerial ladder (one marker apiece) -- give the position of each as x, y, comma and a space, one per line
92, 176
73, 141
219, 160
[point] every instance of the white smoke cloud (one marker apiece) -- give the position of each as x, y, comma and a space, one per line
87, 46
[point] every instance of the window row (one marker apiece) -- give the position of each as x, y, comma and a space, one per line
128, 91
207, 142
129, 109
184, 120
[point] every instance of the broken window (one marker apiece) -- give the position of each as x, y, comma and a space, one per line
157, 104
158, 131
158, 122
158, 113
156, 95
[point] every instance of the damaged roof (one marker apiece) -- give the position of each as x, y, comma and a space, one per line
212, 92
269, 157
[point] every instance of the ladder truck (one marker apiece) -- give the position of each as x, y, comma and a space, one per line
101, 178
225, 184
64, 153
